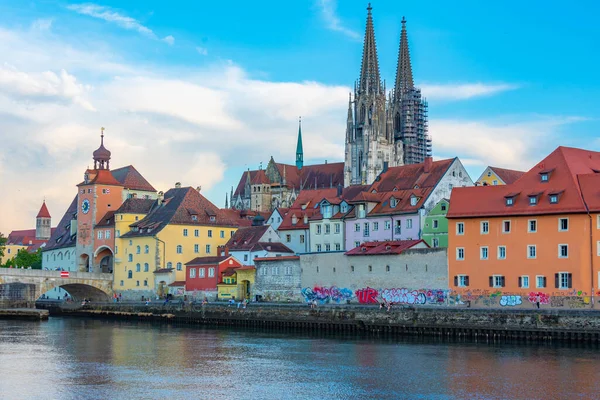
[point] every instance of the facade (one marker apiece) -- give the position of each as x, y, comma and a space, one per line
256, 241
384, 132
435, 231
203, 274
536, 234
493, 176
236, 283
277, 278
59, 252
276, 217
326, 227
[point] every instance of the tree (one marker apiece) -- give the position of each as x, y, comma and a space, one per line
25, 259
2, 244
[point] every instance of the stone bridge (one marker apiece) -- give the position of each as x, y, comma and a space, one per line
29, 284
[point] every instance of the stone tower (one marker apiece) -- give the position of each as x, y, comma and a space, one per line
369, 142
43, 222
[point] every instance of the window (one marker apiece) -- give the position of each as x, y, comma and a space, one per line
211, 272
145, 282
461, 280
318, 228
179, 266
146, 267
387, 225
222, 234
122, 283
393, 202
532, 226
435, 242
210, 233
531, 251
501, 252
544, 177
524, 281
129, 274
510, 201
540, 281
301, 238
485, 227
352, 268
196, 248
370, 268
196, 232
506, 227
288, 270
460, 228
435, 224
563, 280
337, 227
387, 268
489, 174
117, 233
414, 200
563, 224
319, 248
185, 232
275, 271
327, 229
483, 252
137, 283
138, 249
130, 257
107, 234
201, 272
179, 249
288, 238
495, 182
409, 223
460, 253
169, 265
338, 247
497, 281
194, 218
137, 267
130, 242
598, 249
563, 251
116, 251
356, 227
208, 249
100, 234
327, 247
375, 226
263, 271
532, 200
356, 244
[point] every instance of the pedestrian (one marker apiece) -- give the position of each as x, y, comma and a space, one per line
205, 301
120, 296
245, 303
537, 300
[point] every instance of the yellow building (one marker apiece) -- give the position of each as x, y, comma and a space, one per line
236, 283
494, 176
154, 239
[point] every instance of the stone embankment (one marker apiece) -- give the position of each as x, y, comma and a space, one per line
24, 314
569, 325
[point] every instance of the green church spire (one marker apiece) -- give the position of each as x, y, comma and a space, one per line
299, 152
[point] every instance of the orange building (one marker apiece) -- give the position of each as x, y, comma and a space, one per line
540, 233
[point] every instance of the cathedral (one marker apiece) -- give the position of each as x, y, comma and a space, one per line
384, 129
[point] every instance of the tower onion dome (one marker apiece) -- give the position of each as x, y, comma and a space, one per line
102, 154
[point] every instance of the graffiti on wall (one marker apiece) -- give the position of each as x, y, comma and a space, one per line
510, 301
543, 298
327, 294
367, 295
402, 296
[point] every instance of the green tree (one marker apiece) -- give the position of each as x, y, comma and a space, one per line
25, 259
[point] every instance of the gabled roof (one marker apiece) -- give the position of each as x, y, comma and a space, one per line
272, 247
43, 213
410, 176
286, 222
107, 220
210, 260
137, 206
101, 177
130, 178
507, 175
244, 239
565, 164
25, 237
61, 237
386, 247
403, 202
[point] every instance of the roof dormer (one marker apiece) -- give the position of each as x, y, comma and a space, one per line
554, 196
509, 199
545, 175
414, 200
393, 202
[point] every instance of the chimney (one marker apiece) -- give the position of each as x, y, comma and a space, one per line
177, 185
198, 188
340, 188
305, 219
427, 164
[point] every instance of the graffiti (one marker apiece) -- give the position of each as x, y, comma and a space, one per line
510, 301
367, 295
403, 296
575, 302
543, 298
327, 294
556, 301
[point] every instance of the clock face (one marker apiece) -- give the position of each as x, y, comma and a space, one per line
85, 206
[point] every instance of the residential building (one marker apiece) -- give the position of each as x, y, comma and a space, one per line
276, 217
203, 274
435, 231
294, 230
493, 176
535, 234
256, 241
236, 283
277, 278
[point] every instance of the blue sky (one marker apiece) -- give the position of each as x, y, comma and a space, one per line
199, 91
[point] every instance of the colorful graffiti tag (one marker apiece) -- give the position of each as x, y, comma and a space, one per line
402, 296
367, 295
534, 297
327, 294
511, 301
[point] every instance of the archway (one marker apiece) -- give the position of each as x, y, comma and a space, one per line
104, 258
161, 288
84, 263
245, 289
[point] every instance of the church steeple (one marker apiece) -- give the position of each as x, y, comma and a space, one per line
404, 77
43, 220
299, 152
369, 70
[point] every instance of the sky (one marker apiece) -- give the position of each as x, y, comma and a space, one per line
198, 92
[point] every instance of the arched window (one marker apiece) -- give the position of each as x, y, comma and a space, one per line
130, 258
169, 264
146, 268
138, 250
363, 112
68, 255
147, 249
179, 249
179, 267
397, 122
60, 256
129, 274
137, 267
53, 257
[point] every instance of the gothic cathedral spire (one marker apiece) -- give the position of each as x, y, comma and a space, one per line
299, 152
404, 77
370, 81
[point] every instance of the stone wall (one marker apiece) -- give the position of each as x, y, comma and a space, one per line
281, 286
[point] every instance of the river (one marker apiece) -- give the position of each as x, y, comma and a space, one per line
68, 358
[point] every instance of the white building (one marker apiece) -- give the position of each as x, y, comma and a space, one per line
256, 241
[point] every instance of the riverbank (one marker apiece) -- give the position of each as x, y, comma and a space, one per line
559, 325
29, 314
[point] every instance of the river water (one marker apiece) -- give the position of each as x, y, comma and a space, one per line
68, 358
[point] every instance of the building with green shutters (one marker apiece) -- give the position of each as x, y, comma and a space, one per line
435, 230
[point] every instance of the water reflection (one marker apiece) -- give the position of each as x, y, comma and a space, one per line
92, 359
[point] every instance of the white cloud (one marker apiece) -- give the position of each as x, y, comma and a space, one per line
463, 91
42, 24
109, 15
328, 13
202, 51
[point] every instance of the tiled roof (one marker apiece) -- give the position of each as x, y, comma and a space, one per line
403, 202
107, 220
230, 271
130, 178
210, 260
25, 237
507, 175
181, 206
163, 271
177, 284
272, 247
137, 206
276, 258
286, 222
410, 176
260, 178
61, 237
590, 189
387, 247
566, 164
102, 177
241, 218
246, 238
43, 213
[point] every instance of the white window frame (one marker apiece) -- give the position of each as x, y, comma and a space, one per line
537, 281
435, 242
338, 247
458, 252
318, 248
288, 238
560, 280
211, 272
356, 227
462, 280
179, 249
484, 253
496, 279
207, 249
185, 232
201, 272
192, 272
409, 223
560, 252
460, 228
107, 234
523, 278
337, 227
504, 226
484, 227
598, 248
196, 232
529, 246
318, 229
529, 230
327, 229
387, 225
560, 220
196, 248
504, 248
375, 226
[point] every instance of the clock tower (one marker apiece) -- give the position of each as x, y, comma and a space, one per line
98, 194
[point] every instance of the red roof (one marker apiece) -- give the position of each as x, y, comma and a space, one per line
210, 260
387, 247
508, 176
43, 213
298, 213
563, 167
25, 237
410, 176
403, 202
130, 178
177, 283
276, 258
